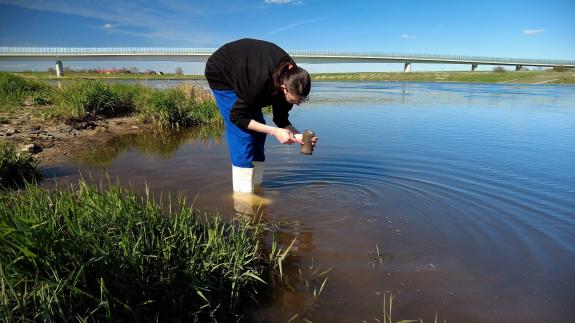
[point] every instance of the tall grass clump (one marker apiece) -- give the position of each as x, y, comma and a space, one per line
92, 254
15, 90
15, 168
86, 99
184, 106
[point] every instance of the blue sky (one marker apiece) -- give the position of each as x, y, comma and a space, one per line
528, 28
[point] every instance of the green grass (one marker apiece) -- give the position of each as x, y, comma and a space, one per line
15, 168
387, 313
84, 99
181, 106
176, 107
15, 91
92, 254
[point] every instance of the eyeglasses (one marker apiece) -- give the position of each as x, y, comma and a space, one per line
300, 100
292, 99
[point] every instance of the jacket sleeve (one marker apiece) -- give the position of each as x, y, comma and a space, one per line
240, 114
281, 115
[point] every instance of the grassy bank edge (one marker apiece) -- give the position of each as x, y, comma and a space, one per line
82, 100
519, 77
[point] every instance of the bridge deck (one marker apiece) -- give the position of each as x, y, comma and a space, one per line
306, 56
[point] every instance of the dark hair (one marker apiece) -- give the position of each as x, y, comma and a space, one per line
296, 79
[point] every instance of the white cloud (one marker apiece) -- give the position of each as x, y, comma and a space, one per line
407, 36
283, 1
530, 32
295, 24
130, 18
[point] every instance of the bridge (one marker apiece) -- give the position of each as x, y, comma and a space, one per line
61, 54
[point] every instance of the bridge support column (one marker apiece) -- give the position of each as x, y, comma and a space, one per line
518, 67
407, 68
473, 67
59, 69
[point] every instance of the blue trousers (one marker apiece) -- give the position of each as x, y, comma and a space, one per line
245, 146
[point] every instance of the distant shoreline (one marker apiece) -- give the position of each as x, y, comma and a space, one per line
513, 77
510, 77
119, 76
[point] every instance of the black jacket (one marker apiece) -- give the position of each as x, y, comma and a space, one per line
246, 66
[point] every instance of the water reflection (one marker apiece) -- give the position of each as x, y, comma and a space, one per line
298, 291
250, 204
163, 143
298, 288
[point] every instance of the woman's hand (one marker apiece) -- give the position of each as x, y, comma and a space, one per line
286, 137
313, 139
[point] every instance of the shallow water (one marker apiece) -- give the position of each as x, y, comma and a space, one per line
458, 199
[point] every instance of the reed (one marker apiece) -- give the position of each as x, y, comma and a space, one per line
182, 106
80, 100
15, 91
90, 253
87, 99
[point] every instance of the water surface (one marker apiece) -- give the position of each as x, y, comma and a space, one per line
458, 199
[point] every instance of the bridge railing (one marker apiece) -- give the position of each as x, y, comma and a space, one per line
102, 51
431, 57
167, 51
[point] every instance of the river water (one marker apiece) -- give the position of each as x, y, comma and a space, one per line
456, 199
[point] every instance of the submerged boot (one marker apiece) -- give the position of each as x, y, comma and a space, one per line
243, 179
249, 203
258, 172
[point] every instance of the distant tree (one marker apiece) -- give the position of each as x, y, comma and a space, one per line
179, 71
560, 68
134, 70
51, 70
498, 69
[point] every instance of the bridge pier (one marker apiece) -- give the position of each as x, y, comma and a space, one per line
59, 69
518, 67
407, 68
473, 67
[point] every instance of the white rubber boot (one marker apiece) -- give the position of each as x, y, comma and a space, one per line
243, 179
258, 172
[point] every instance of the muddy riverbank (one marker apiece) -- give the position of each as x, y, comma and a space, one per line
51, 142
